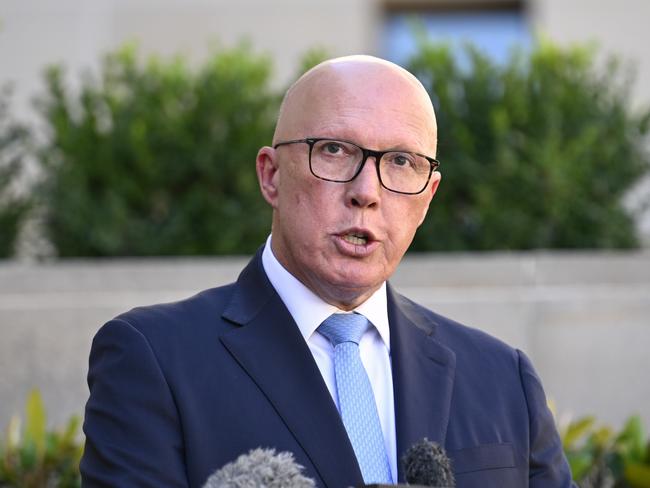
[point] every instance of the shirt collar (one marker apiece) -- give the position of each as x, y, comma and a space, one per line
309, 310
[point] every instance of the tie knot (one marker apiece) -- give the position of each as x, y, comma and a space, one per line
344, 327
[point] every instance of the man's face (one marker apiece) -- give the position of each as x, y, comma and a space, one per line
317, 223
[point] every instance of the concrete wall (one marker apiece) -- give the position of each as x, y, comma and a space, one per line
617, 27
36, 33
583, 318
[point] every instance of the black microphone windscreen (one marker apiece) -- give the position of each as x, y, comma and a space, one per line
261, 467
426, 463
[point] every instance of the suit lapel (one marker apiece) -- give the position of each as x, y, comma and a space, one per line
423, 376
270, 348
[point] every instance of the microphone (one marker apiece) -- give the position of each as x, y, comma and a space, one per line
426, 463
261, 468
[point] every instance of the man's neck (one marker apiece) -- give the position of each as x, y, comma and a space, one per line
309, 310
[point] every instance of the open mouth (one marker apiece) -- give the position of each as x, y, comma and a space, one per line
357, 242
356, 238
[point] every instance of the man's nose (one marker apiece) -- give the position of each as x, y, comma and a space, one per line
365, 189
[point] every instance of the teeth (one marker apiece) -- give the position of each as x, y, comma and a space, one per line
356, 239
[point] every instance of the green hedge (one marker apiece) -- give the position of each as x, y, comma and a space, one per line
13, 148
156, 158
537, 153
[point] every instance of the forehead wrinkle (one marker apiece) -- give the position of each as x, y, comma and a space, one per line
364, 130
363, 124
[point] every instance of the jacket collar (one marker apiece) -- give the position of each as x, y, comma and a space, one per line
423, 375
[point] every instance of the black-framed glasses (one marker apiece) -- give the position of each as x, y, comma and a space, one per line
342, 161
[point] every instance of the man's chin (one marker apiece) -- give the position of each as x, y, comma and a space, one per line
347, 290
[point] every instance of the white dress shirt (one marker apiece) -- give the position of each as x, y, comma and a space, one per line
309, 311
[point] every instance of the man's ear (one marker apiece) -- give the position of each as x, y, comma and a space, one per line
268, 175
435, 181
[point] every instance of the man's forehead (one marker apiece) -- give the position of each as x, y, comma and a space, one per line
364, 83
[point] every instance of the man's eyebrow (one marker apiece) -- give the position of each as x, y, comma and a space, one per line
388, 148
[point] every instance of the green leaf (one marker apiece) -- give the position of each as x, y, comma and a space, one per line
637, 475
601, 439
13, 433
580, 463
631, 441
70, 432
28, 456
35, 422
576, 431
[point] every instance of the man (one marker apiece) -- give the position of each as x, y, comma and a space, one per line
178, 390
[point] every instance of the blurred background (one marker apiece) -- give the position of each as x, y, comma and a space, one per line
128, 133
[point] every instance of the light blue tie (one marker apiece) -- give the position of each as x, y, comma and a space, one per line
356, 399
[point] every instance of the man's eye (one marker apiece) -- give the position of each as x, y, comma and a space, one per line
401, 159
333, 148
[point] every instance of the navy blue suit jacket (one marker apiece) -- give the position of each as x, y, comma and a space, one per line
178, 390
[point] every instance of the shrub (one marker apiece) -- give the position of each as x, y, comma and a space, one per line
34, 457
602, 458
13, 142
537, 153
156, 158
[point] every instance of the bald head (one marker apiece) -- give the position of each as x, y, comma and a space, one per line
364, 83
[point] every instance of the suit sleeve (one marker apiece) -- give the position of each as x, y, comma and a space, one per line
133, 432
548, 467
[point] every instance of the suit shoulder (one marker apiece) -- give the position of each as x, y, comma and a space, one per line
196, 311
455, 335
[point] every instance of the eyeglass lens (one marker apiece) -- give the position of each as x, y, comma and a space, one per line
399, 171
